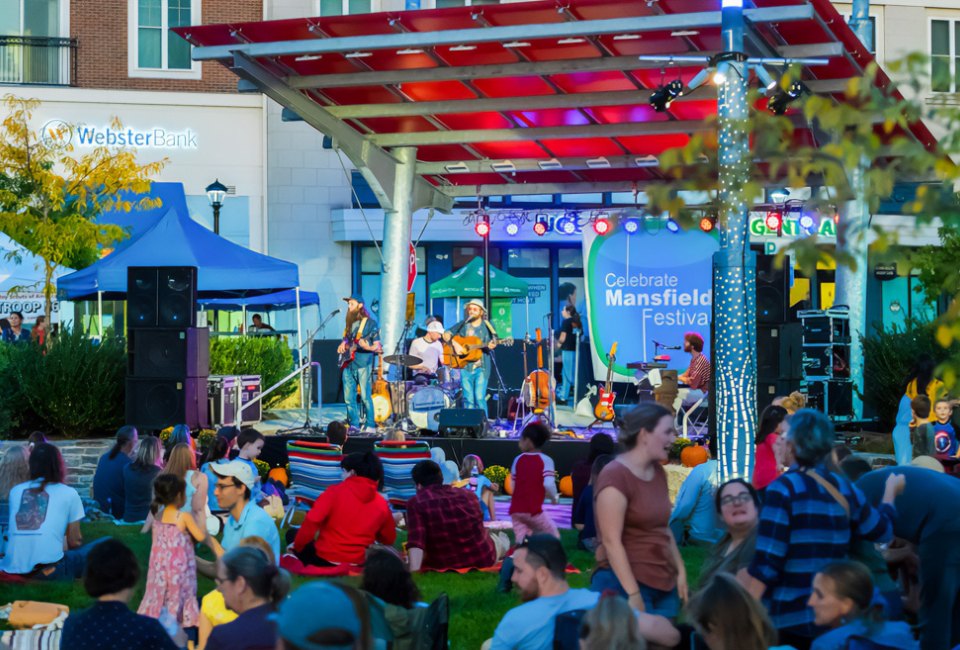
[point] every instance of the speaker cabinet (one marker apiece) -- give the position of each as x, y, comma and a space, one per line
779, 351
835, 398
161, 296
462, 423
169, 353
773, 290
160, 403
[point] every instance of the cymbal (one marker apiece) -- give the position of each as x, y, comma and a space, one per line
407, 360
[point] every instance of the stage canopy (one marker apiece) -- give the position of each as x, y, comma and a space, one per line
269, 302
467, 282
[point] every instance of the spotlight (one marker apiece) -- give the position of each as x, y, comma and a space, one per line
663, 96
631, 225
601, 225
774, 221
567, 225
482, 227
807, 221
718, 78
783, 98
708, 223
512, 228
541, 225
769, 83
673, 226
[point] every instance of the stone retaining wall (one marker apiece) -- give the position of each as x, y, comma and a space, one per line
81, 458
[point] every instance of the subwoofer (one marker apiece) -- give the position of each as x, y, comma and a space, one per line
170, 353
160, 403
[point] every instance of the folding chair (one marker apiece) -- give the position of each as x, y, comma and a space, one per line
314, 467
696, 416
398, 458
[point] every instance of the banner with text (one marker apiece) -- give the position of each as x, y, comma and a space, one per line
644, 288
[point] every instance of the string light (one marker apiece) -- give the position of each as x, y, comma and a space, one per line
567, 224
708, 223
482, 226
601, 225
631, 225
513, 228
774, 221
541, 225
673, 226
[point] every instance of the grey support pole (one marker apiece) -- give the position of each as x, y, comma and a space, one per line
397, 225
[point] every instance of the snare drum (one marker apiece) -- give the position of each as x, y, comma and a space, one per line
424, 404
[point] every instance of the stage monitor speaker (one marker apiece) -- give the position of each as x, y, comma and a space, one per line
462, 423
773, 290
161, 296
169, 353
160, 403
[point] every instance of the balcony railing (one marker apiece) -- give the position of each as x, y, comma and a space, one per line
38, 60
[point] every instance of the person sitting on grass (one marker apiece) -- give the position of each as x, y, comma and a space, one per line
217, 454
445, 526
337, 433
471, 476
14, 470
347, 518
44, 533
182, 463
108, 478
110, 576
583, 512
694, 519
738, 504
344, 625
138, 479
728, 618
534, 478
608, 626
250, 442
540, 565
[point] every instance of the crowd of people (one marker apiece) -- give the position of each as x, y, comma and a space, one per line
812, 551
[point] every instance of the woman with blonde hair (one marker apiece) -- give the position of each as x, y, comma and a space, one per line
794, 402
611, 625
182, 463
729, 618
14, 470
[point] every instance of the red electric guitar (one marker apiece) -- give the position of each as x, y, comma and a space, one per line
603, 411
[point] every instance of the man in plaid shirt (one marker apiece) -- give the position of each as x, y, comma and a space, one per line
445, 526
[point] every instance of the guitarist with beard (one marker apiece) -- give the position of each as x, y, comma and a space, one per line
361, 343
475, 375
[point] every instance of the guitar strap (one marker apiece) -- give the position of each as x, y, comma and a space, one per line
492, 331
359, 335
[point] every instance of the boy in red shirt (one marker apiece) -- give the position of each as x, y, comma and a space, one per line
534, 478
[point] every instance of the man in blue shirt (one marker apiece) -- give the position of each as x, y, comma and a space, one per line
694, 515
361, 334
234, 487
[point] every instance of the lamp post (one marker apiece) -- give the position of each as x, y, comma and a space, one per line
216, 193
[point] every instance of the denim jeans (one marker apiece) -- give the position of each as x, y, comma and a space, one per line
474, 381
566, 386
664, 603
358, 375
70, 566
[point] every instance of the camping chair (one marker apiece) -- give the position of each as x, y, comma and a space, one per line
419, 628
314, 467
566, 630
695, 417
398, 458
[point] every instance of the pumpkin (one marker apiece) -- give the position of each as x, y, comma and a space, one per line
508, 485
693, 455
279, 474
566, 486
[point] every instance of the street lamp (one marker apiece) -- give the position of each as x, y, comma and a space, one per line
216, 192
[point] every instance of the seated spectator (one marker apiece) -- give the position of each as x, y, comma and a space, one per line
138, 479
250, 443
110, 576
179, 436
727, 618
348, 517
737, 503
45, 539
252, 586
445, 526
842, 602
794, 402
14, 470
35, 439
234, 488
386, 576
601, 444
345, 624
14, 333
768, 442
540, 565
583, 518
108, 488
609, 626
808, 519
921, 433
337, 433
694, 517
217, 454
472, 478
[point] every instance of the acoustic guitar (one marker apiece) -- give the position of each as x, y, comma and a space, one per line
603, 411
472, 351
382, 405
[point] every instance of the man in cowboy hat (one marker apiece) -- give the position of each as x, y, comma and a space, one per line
474, 376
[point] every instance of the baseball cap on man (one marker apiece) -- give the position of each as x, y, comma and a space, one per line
236, 469
355, 296
436, 327
338, 629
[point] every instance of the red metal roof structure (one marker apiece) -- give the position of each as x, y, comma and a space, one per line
537, 97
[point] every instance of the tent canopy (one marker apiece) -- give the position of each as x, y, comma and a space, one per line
468, 283
270, 302
25, 275
225, 269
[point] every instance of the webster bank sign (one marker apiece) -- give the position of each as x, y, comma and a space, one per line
107, 135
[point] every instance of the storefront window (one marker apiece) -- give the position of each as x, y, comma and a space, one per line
570, 258
528, 258
463, 255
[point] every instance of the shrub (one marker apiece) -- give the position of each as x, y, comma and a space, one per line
497, 474
255, 355
74, 387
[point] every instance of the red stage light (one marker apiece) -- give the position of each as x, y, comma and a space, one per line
774, 221
482, 228
707, 224
540, 227
601, 226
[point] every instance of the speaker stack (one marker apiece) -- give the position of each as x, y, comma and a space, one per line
168, 356
826, 362
779, 342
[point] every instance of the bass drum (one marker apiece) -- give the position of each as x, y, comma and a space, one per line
424, 404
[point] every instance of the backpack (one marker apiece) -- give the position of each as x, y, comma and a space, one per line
419, 628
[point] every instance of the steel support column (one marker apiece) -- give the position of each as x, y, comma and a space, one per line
397, 223
734, 265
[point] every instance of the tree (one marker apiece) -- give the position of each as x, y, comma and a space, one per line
50, 199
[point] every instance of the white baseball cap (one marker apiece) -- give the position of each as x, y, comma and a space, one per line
236, 469
436, 327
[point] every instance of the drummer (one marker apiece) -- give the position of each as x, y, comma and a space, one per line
429, 349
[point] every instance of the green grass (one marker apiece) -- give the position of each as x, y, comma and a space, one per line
474, 605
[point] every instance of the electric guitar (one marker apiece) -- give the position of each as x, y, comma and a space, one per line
382, 405
472, 350
346, 357
603, 411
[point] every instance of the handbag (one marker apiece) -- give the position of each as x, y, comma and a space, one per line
26, 614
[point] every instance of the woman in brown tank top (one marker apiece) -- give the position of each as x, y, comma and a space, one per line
637, 554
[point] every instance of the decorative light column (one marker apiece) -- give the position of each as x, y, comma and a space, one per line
397, 224
734, 265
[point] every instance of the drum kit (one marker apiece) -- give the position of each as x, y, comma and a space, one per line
417, 403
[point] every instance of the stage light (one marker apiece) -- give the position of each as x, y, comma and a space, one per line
663, 96
783, 98
673, 226
482, 226
631, 225
769, 83
708, 223
718, 78
601, 225
541, 225
512, 229
836, 218
567, 225
774, 221
807, 221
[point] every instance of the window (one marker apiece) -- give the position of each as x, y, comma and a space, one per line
944, 54
155, 51
347, 7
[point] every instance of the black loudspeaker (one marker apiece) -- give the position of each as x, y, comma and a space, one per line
160, 403
161, 296
779, 351
773, 290
169, 353
835, 398
462, 423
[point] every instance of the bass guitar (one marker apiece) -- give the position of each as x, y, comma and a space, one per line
603, 411
472, 351
382, 405
346, 357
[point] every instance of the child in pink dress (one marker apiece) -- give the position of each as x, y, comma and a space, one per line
172, 578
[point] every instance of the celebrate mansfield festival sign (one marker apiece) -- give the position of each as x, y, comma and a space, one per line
645, 287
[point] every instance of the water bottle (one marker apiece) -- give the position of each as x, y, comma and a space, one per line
474, 473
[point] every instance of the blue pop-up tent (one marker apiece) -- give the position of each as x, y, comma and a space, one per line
269, 302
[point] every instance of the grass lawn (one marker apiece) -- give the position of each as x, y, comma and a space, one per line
475, 607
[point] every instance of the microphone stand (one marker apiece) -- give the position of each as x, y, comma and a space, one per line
308, 427
326, 320
403, 423
501, 388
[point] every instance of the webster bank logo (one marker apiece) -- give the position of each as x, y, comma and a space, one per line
86, 135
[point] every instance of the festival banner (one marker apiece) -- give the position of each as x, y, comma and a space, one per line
646, 287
